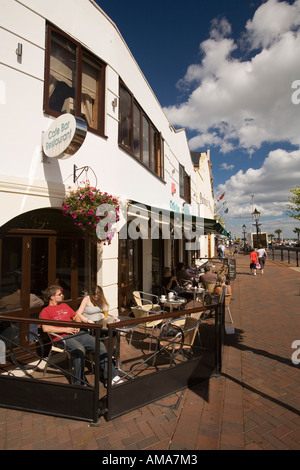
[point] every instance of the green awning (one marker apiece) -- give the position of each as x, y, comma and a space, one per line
213, 226
208, 226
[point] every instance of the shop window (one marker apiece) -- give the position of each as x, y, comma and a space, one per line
137, 135
74, 81
184, 185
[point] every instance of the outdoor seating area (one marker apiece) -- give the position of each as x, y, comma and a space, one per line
159, 334
139, 345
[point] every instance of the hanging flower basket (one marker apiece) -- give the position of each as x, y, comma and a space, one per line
95, 212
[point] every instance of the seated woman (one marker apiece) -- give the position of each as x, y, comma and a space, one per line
170, 282
219, 287
91, 305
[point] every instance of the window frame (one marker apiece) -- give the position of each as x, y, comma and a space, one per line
158, 168
184, 184
80, 53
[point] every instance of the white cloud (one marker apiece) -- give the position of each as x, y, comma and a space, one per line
270, 184
271, 21
242, 104
225, 166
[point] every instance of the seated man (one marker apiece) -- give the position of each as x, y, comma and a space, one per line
170, 283
183, 277
11, 331
77, 341
208, 275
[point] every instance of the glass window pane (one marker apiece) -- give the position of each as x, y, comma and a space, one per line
63, 265
39, 266
11, 273
10, 286
62, 74
137, 132
145, 141
153, 158
84, 264
125, 117
181, 181
91, 74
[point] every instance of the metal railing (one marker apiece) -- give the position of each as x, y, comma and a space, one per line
285, 253
33, 393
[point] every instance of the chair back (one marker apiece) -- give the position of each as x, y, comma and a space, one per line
227, 299
190, 330
209, 286
137, 298
139, 312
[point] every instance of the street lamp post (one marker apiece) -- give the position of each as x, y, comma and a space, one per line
256, 216
244, 232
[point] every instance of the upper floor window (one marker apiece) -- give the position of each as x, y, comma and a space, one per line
74, 81
184, 184
138, 135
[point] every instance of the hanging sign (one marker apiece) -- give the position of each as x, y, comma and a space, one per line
64, 137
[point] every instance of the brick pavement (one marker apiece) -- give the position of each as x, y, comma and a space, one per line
253, 405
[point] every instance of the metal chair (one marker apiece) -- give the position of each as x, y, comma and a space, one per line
209, 286
63, 353
175, 339
227, 303
145, 308
58, 351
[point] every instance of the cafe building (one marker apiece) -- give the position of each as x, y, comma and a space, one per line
77, 111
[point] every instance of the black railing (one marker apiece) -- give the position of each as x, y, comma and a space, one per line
35, 394
285, 253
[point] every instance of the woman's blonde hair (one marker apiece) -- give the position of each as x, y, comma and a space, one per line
221, 278
98, 291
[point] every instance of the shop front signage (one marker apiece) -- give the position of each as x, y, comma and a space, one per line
64, 137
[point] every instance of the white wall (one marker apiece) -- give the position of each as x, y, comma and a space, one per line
27, 181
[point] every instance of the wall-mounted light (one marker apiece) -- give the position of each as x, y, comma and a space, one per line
19, 50
115, 102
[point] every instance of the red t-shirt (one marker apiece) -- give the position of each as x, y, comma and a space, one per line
253, 256
60, 312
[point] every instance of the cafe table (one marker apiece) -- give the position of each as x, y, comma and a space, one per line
119, 330
195, 291
173, 302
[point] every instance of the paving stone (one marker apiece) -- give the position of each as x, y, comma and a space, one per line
253, 405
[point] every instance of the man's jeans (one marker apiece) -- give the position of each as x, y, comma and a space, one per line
77, 345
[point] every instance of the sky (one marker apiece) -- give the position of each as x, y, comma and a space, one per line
229, 73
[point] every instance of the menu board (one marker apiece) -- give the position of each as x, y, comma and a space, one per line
231, 269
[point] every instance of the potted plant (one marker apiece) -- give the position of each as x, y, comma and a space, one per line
94, 211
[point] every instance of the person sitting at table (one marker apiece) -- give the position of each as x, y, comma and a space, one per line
208, 276
92, 304
219, 287
183, 278
170, 283
77, 341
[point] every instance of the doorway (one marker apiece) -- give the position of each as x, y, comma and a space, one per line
38, 249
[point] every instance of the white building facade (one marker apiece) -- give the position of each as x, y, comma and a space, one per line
69, 58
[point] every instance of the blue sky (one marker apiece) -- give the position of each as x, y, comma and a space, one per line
224, 71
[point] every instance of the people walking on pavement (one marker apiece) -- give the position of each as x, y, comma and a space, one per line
221, 250
262, 255
253, 261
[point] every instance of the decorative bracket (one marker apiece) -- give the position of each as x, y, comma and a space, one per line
83, 168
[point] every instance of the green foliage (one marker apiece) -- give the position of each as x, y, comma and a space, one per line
293, 209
